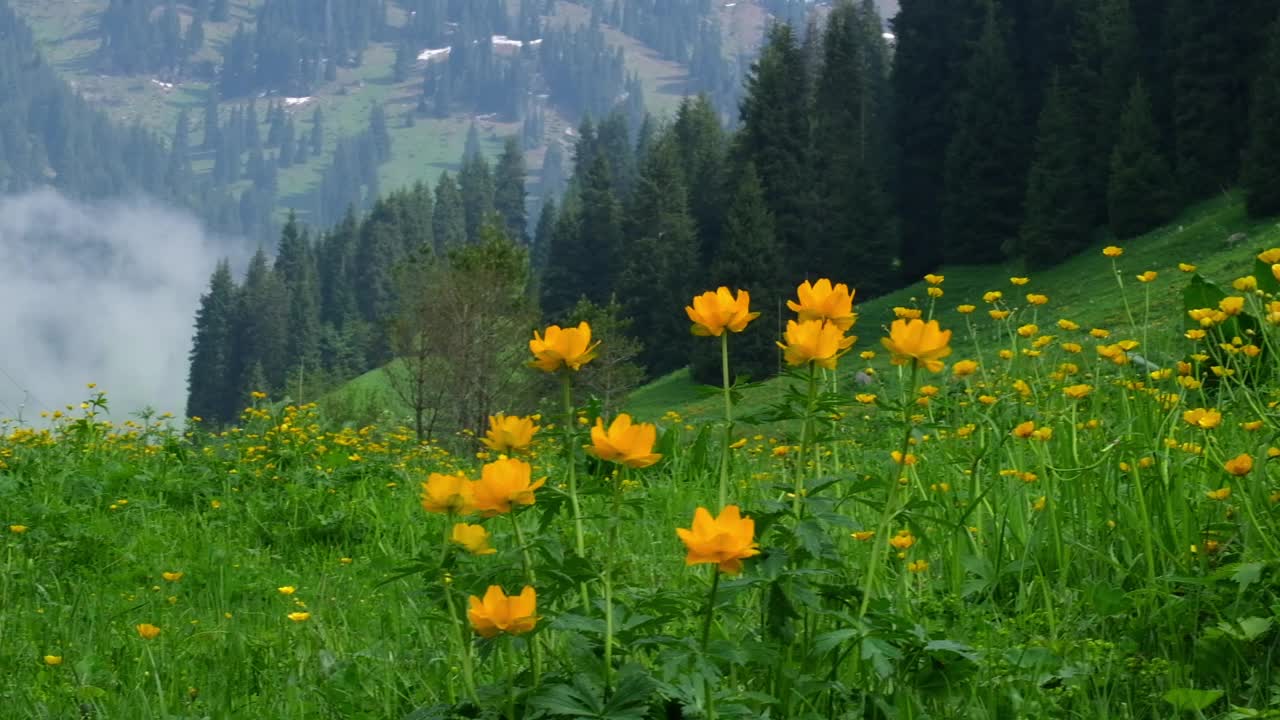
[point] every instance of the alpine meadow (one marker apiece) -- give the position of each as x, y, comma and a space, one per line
640, 359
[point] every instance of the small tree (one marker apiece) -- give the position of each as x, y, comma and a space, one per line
614, 373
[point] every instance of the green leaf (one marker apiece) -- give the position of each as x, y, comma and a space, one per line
1247, 574
1255, 627
1190, 699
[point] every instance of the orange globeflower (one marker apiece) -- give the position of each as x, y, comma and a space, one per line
147, 631
726, 540
497, 613
817, 341
964, 368
472, 537
822, 301
714, 312
1206, 419
562, 348
924, 343
624, 442
509, 433
450, 494
504, 483
1239, 465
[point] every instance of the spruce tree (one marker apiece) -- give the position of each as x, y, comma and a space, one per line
317, 132
261, 327
209, 382
448, 222
1261, 176
986, 164
1208, 117
509, 191
476, 184
295, 265
1059, 209
1140, 194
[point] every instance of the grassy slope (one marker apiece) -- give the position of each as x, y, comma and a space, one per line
1082, 289
67, 33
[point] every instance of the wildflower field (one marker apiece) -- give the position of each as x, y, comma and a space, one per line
1012, 513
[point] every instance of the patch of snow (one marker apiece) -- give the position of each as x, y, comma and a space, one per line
163, 85
432, 53
292, 101
889, 37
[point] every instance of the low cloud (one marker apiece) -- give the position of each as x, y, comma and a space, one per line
103, 293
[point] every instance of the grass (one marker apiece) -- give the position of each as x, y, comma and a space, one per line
1060, 535
1198, 235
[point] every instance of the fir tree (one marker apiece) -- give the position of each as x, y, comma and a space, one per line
448, 221
1059, 210
509, 191
209, 382
476, 184
1140, 195
986, 167
1208, 116
1261, 176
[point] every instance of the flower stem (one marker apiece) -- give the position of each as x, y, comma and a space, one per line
615, 520
706, 638
806, 441
880, 541
728, 419
535, 651
468, 673
579, 542
509, 657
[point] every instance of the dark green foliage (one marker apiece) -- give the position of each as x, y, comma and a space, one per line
1059, 216
775, 137
1261, 175
986, 165
448, 221
660, 262
210, 386
509, 191
476, 184
1141, 193
260, 360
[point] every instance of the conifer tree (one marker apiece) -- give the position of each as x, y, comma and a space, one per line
660, 266
317, 132
509, 191
260, 330
1141, 194
209, 382
1208, 118
448, 222
1261, 176
986, 165
1059, 210
476, 185
295, 265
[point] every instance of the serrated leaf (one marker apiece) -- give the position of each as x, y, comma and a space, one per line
1247, 574
1191, 699
1254, 627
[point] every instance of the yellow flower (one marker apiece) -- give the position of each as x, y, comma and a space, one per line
964, 368
816, 341
738, 444
299, 616
1019, 280
562, 348
965, 309
502, 483
934, 292
1028, 330
1068, 324
1223, 493
1072, 347
726, 540
472, 537
1270, 256
1251, 425
1203, 418
1147, 276
1024, 429
897, 458
867, 354
1231, 305
497, 613
823, 301
908, 313
1186, 267
624, 442
1039, 504
919, 342
917, 566
1075, 392
934, 279
987, 399
998, 314
171, 576
714, 312
1037, 299
147, 631
17, 529
509, 434
1248, 283
865, 398
52, 659
862, 535
1239, 465
451, 494
903, 540
992, 296
287, 590
1112, 251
